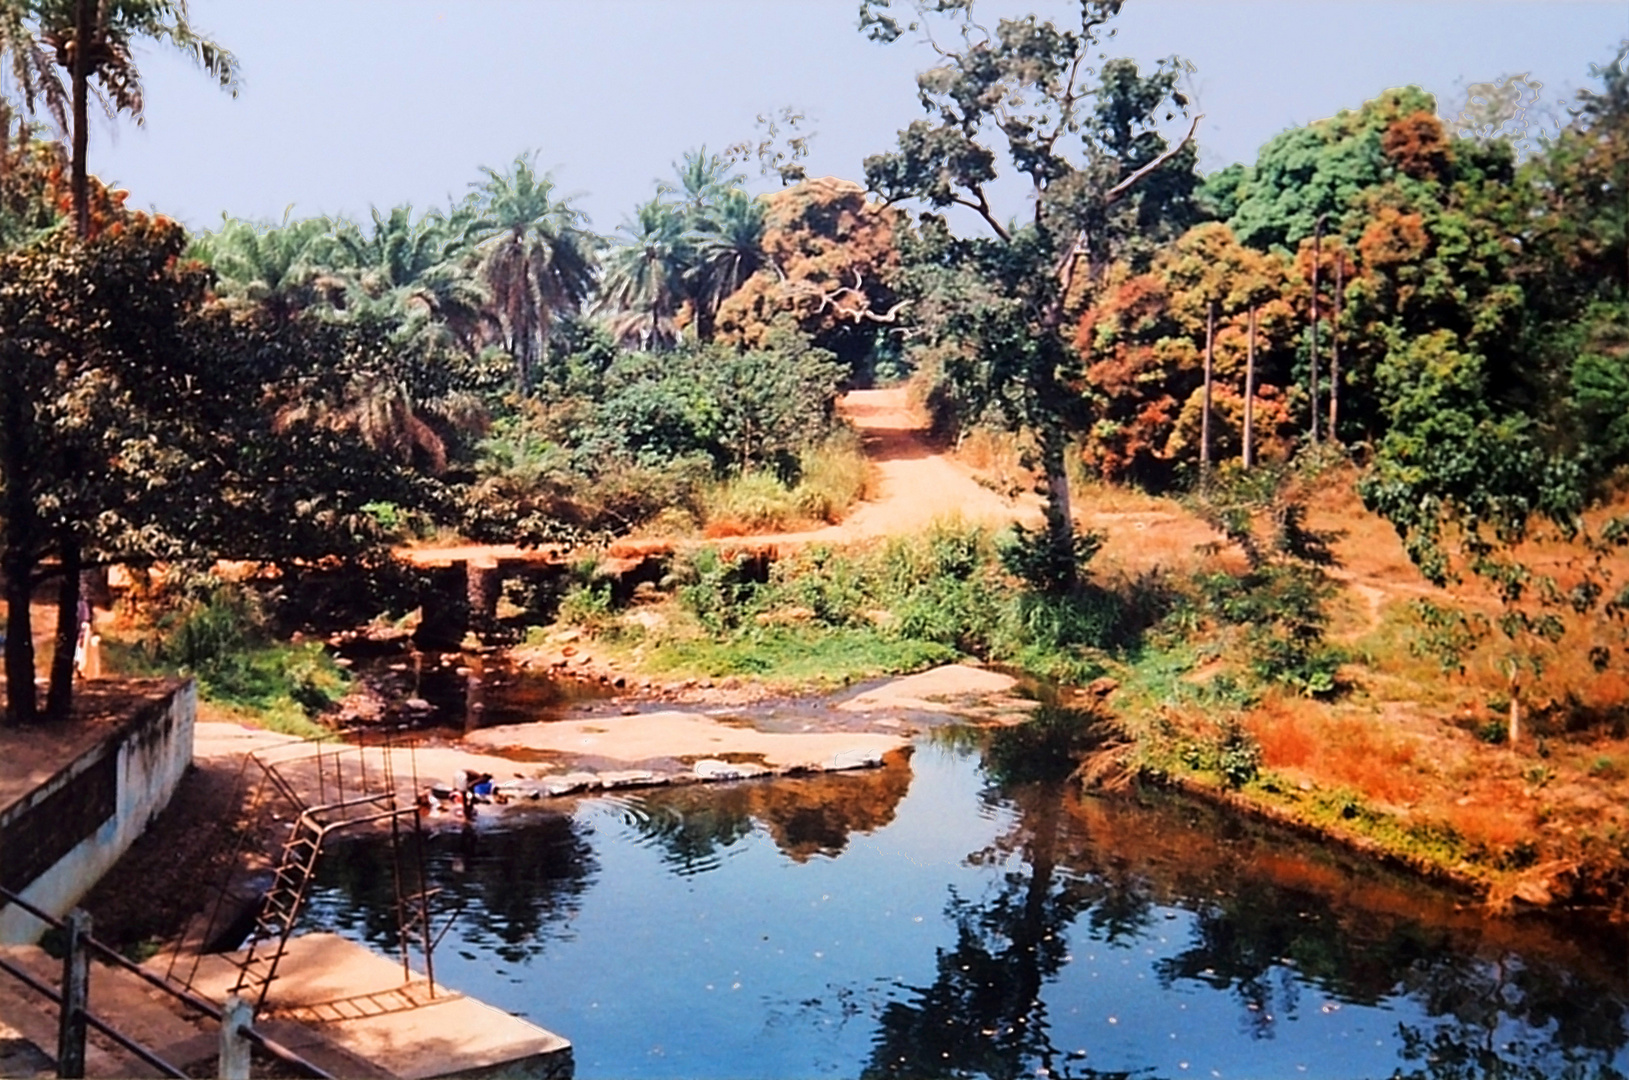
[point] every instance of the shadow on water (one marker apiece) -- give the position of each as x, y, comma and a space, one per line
1078, 935
1273, 919
465, 692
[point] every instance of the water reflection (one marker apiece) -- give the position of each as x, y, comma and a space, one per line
984, 1014
805, 816
970, 912
511, 889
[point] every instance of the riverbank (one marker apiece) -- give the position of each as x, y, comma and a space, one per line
1398, 768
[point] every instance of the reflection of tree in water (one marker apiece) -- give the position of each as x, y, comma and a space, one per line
1502, 1018
1075, 861
983, 1014
510, 883
806, 816
1488, 1018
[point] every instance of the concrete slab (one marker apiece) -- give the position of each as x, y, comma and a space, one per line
360, 1002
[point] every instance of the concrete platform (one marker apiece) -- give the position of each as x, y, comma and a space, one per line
357, 1000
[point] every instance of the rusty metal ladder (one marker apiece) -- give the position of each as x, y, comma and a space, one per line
291, 884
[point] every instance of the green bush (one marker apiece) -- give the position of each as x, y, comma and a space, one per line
218, 633
1233, 754
589, 606
721, 593
1046, 563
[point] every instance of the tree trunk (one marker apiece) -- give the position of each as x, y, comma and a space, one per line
18, 556
1060, 524
1317, 257
60, 697
1250, 395
1204, 416
84, 27
1335, 352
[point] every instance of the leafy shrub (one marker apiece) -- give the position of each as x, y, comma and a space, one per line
832, 588
721, 593
1233, 754
589, 606
1043, 562
218, 632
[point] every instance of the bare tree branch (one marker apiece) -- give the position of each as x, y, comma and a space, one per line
832, 298
983, 208
1131, 181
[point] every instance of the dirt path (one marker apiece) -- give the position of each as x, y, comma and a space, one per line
916, 484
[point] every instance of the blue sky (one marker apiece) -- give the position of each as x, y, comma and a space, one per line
352, 103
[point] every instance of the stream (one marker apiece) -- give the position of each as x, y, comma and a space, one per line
965, 912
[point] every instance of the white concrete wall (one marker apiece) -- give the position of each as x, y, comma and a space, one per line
152, 758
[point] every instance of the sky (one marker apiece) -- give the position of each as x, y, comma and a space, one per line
352, 104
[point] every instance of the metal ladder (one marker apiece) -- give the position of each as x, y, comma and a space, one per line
296, 868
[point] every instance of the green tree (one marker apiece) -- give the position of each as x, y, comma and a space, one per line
645, 276
729, 250
537, 256
93, 41
282, 269
1031, 89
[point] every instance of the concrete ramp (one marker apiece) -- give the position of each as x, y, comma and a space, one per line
360, 1002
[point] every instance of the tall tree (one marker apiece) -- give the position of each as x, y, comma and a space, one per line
280, 269
92, 41
538, 257
729, 249
1032, 89
645, 276
29, 65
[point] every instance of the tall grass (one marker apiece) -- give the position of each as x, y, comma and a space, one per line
831, 478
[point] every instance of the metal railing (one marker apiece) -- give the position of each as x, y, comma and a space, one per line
74, 1015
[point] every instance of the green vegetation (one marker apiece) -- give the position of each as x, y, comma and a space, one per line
1439, 320
219, 633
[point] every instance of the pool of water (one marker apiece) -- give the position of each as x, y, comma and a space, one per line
925, 920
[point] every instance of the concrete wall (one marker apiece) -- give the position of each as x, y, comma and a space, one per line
92, 811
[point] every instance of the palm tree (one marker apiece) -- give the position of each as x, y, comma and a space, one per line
645, 276
281, 269
29, 66
420, 266
728, 250
701, 180
538, 257
93, 42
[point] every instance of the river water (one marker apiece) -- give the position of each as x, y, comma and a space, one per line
951, 914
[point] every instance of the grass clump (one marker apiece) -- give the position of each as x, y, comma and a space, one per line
818, 488
801, 655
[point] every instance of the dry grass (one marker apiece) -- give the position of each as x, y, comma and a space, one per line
1487, 820
1363, 753
998, 457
